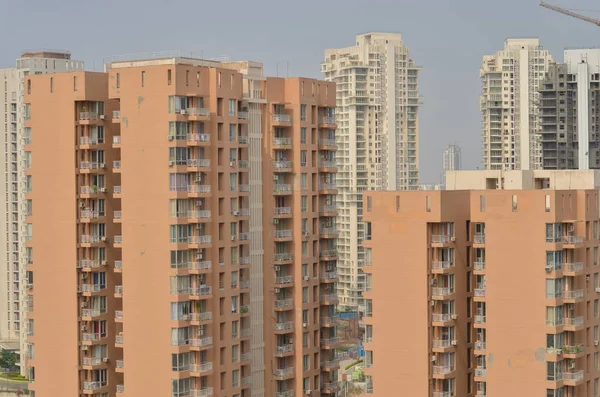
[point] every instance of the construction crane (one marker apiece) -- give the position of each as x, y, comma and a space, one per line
570, 13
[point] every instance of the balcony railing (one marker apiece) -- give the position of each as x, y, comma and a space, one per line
283, 233
328, 208
92, 337
120, 388
479, 345
279, 164
120, 364
287, 393
117, 214
284, 326
573, 267
441, 343
197, 137
327, 164
327, 120
198, 188
244, 260
206, 392
199, 239
283, 210
202, 342
572, 349
204, 214
329, 275
244, 188
442, 369
204, 316
284, 349
118, 239
442, 291
330, 341
116, 114
242, 139
572, 239
92, 312
327, 186
573, 321
327, 142
284, 302
479, 319
287, 142
480, 292
116, 164
204, 265
119, 339
329, 297
198, 163
479, 265
440, 318
574, 294
284, 280
281, 257
202, 290
281, 118
328, 253
480, 372
281, 188
204, 112
441, 265
119, 314
283, 371
573, 376
479, 239
205, 367
93, 385
443, 394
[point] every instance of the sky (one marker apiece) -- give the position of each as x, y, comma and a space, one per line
447, 37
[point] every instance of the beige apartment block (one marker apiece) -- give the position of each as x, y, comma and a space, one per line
183, 245
499, 281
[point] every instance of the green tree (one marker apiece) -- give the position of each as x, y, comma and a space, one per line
8, 360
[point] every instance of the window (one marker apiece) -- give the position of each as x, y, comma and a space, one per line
306, 362
514, 203
118, 81
143, 78
369, 203
180, 336
428, 204
302, 112
303, 180
303, 158
303, 135
232, 106
169, 80
304, 205
482, 203
51, 84
547, 203
181, 387
305, 295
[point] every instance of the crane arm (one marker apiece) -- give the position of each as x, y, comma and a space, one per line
570, 13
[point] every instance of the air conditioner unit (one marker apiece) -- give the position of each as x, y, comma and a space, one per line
171, 162
182, 111
308, 391
235, 213
596, 342
275, 177
198, 203
432, 359
101, 117
199, 226
82, 204
102, 165
454, 317
433, 282
306, 278
306, 233
571, 228
233, 238
597, 289
83, 276
199, 256
454, 343
277, 268
432, 303
572, 365
103, 190
83, 305
103, 238
559, 351
277, 290
84, 348
275, 221
232, 163
84, 327
171, 137
548, 269
105, 359
329, 268
305, 325
104, 263
452, 238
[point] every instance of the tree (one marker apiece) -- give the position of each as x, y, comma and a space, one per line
8, 360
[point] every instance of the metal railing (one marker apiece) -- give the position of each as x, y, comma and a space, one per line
279, 164
574, 294
284, 326
287, 142
282, 187
442, 369
281, 118
479, 239
480, 372
284, 302
441, 265
440, 238
205, 112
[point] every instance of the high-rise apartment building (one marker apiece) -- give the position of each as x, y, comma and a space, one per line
510, 80
13, 231
499, 279
377, 114
569, 109
451, 160
184, 219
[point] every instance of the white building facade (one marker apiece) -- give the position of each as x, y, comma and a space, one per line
511, 79
13, 218
451, 160
377, 116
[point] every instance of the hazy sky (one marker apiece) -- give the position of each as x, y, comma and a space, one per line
447, 37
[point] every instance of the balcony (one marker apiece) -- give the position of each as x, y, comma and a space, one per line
287, 393
282, 327
328, 232
330, 342
442, 343
441, 266
328, 277
204, 214
573, 378
480, 372
327, 166
93, 385
479, 292
479, 319
283, 280
328, 255
283, 235
281, 119
120, 388
282, 189
199, 189
203, 266
329, 299
119, 316
282, 166
443, 394
244, 188
479, 266
327, 144
282, 373
90, 288
441, 318
282, 257
284, 350
282, 211
198, 112
573, 295
242, 139
284, 304
198, 163
198, 138
327, 188
440, 239
327, 121
202, 342
328, 210
572, 323
441, 293
206, 392
118, 240
204, 290
244, 260
572, 269
92, 313
199, 317
118, 291
199, 240
282, 143
573, 351
572, 240
92, 337
245, 284
479, 239
119, 339
442, 370
331, 364
116, 116
330, 387
119, 365
480, 346
201, 368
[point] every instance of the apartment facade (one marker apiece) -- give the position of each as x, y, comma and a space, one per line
467, 337
511, 127
569, 112
13, 282
167, 222
377, 110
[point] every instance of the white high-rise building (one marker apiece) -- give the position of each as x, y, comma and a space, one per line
511, 79
377, 137
13, 225
451, 160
